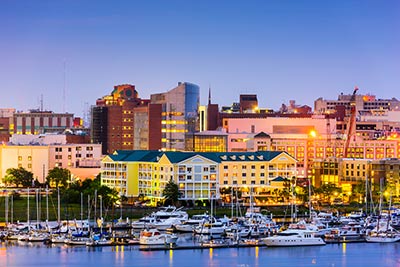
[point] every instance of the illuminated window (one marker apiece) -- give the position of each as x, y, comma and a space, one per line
19, 158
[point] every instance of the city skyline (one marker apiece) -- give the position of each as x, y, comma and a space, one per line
300, 50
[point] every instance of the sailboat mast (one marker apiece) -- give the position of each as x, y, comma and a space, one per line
37, 209
366, 194
309, 198
82, 210
27, 212
47, 204
12, 208
6, 208
58, 206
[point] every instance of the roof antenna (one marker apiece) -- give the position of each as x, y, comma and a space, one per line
64, 86
41, 103
209, 94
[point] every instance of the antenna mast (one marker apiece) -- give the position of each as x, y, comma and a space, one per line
64, 86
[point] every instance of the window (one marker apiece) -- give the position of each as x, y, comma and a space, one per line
30, 158
19, 158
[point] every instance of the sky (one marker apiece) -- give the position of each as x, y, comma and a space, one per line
69, 53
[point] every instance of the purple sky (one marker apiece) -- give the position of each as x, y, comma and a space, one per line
279, 50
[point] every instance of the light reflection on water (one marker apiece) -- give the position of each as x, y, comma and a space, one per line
352, 254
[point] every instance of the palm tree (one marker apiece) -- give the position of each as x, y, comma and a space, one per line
171, 192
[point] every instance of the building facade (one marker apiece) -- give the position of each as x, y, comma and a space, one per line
179, 115
199, 176
38, 122
39, 159
113, 119
363, 103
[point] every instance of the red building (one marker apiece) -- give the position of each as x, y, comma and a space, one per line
121, 121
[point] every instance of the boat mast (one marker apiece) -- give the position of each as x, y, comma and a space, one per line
58, 206
82, 210
27, 212
309, 198
47, 205
6, 207
37, 209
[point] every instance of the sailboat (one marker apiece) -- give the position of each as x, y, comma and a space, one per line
383, 232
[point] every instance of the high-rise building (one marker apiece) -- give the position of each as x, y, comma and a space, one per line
179, 115
113, 118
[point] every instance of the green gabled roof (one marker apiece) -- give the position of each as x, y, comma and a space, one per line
134, 155
248, 156
279, 179
177, 156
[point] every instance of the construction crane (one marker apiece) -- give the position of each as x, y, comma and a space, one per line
351, 124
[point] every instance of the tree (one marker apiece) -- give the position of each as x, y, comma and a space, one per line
58, 177
326, 190
18, 176
171, 192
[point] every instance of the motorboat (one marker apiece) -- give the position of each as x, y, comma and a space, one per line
144, 222
299, 234
77, 241
155, 237
212, 227
97, 241
58, 238
38, 236
189, 225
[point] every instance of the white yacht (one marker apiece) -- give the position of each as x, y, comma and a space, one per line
144, 222
211, 227
296, 235
155, 237
189, 225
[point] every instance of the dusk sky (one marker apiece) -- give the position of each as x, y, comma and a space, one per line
279, 50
